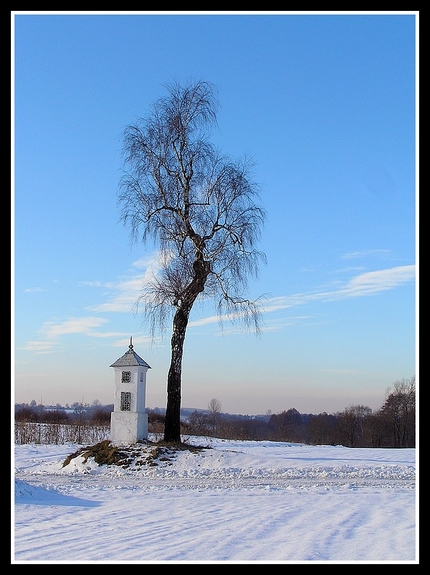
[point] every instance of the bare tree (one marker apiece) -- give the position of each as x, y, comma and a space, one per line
399, 412
199, 208
351, 423
214, 406
215, 410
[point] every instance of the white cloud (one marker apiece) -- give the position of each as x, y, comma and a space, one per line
52, 331
83, 325
34, 290
124, 294
365, 253
40, 347
368, 283
365, 284
122, 297
204, 321
371, 283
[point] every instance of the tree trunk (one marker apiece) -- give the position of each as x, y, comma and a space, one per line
172, 427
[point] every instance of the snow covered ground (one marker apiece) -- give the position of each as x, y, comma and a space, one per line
235, 502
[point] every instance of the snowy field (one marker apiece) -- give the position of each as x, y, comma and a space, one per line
235, 502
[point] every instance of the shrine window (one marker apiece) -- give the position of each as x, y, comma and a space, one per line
125, 401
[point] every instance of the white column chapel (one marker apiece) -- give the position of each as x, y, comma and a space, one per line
129, 419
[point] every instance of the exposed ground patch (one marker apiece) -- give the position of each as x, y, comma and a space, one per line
147, 453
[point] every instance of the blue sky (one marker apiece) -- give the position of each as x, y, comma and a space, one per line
325, 105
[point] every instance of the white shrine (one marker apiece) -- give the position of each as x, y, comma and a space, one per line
129, 419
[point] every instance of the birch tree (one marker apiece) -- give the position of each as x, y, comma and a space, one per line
199, 208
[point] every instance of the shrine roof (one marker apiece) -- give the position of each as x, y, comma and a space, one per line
130, 358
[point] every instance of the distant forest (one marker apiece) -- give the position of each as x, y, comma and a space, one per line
393, 425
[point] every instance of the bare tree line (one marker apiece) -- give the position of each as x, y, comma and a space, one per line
393, 425
59, 433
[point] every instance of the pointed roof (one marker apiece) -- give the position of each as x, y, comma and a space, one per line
130, 358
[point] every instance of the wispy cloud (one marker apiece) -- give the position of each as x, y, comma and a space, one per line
368, 283
268, 326
124, 294
121, 297
365, 284
83, 325
372, 283
52, 331
34, 290
40, 347
365, 254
